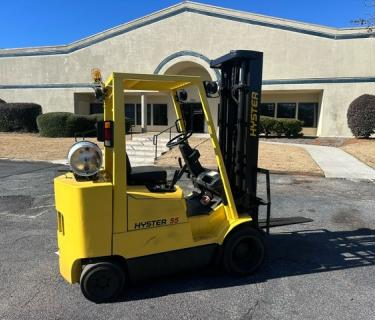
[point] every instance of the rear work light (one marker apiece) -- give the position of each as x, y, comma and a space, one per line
105, 133
85, 158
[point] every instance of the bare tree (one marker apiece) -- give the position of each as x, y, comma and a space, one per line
368, 22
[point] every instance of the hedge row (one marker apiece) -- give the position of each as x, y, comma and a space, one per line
278, 126
19, 116
361, 116
66, 124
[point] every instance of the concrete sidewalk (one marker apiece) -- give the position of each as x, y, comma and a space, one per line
336, 163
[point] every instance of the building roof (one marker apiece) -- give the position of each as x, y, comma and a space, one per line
204, 10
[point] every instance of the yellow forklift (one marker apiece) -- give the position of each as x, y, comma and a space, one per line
118, 224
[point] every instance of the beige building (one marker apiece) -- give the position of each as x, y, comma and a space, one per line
310, 72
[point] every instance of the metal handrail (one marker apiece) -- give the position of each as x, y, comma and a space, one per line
156, 136
131, 131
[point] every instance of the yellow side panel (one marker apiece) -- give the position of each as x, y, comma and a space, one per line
154, 209
210, 226
215, 227
152, 240
84, 216
157, 223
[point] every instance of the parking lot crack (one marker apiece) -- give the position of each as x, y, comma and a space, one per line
31, 298
250, 312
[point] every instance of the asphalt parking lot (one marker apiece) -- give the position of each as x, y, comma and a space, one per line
321, 270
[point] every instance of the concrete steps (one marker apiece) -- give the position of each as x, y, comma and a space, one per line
141, 150
141, 161
145, 147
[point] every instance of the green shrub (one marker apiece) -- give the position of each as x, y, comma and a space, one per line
280, 126
292, 127
267, 124
80, 125
96, 117
66, 124
361, 116
19, 116
54, 124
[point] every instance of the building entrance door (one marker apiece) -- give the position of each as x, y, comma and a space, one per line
193, 116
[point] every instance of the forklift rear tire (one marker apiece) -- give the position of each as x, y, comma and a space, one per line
102, 281
243, 251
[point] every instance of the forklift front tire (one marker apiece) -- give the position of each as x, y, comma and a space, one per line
243, 251
102, 282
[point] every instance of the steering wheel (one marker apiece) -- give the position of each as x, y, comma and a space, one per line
180, 138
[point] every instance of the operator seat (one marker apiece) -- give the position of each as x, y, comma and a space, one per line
145, 175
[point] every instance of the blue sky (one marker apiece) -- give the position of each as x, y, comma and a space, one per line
26, 23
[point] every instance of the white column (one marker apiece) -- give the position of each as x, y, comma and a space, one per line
143, 113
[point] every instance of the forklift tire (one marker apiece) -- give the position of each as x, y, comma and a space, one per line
102, 281
243, 251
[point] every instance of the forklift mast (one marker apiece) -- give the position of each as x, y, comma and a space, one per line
240, 96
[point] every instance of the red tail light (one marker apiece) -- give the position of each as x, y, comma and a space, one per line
108, 134
105, 133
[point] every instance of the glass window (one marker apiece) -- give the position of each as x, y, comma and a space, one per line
130, 111
96, 108
286, 110
160, 114
139, 114
307, 112
267, 109
148, 114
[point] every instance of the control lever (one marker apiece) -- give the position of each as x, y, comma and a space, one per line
177, 176
185, 170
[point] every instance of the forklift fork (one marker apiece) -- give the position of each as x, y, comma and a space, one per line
268, 202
